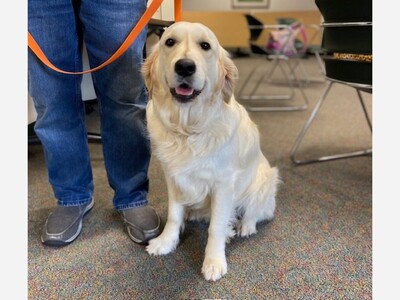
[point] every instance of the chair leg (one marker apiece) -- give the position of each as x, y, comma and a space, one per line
252, 95
244, 84
302, 133
321, 64
321, 68
364, 109
305, 79
267, 77
294, 64
94, 137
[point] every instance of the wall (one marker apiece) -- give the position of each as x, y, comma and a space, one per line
226, 5
166, 11
230, 27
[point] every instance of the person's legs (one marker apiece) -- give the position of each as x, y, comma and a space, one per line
122, 97
60, 123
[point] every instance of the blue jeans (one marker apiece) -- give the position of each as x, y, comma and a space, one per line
60, 27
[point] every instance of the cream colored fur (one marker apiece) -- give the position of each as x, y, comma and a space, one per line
209, 148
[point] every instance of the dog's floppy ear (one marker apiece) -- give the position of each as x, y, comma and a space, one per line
148, 69
230, 74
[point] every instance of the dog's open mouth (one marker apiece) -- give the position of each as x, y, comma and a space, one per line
184, 93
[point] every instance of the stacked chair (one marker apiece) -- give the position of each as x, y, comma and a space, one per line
312, 47
347, 54
273, 60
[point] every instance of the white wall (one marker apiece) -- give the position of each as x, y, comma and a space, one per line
226, 5
166, 11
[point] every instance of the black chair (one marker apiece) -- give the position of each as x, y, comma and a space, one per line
274, 61
347, 53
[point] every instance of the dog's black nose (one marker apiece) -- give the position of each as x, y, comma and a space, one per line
185, 67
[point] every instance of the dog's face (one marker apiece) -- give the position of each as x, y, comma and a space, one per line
188, 64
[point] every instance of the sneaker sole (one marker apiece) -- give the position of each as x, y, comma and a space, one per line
59, 243
153, 234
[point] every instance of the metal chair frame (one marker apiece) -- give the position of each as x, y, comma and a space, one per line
300, 137
290, 78
358, 86
266, 78
321, 66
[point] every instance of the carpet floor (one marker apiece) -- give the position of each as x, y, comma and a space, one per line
319, 246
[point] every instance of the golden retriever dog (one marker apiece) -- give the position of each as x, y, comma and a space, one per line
207, 145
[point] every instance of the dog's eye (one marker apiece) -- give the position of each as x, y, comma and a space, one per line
170, 42
205, 46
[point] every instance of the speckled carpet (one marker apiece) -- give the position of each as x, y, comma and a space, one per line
319, 246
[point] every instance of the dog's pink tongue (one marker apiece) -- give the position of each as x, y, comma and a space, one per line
184, 91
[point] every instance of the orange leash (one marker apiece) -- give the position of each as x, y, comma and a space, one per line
153, 7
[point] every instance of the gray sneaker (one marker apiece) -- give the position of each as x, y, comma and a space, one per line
64, 224
142, 223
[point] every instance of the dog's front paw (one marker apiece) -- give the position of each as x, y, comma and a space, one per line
214, 268
161, 246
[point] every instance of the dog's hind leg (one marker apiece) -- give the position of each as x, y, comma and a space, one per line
261, 206
247, 225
